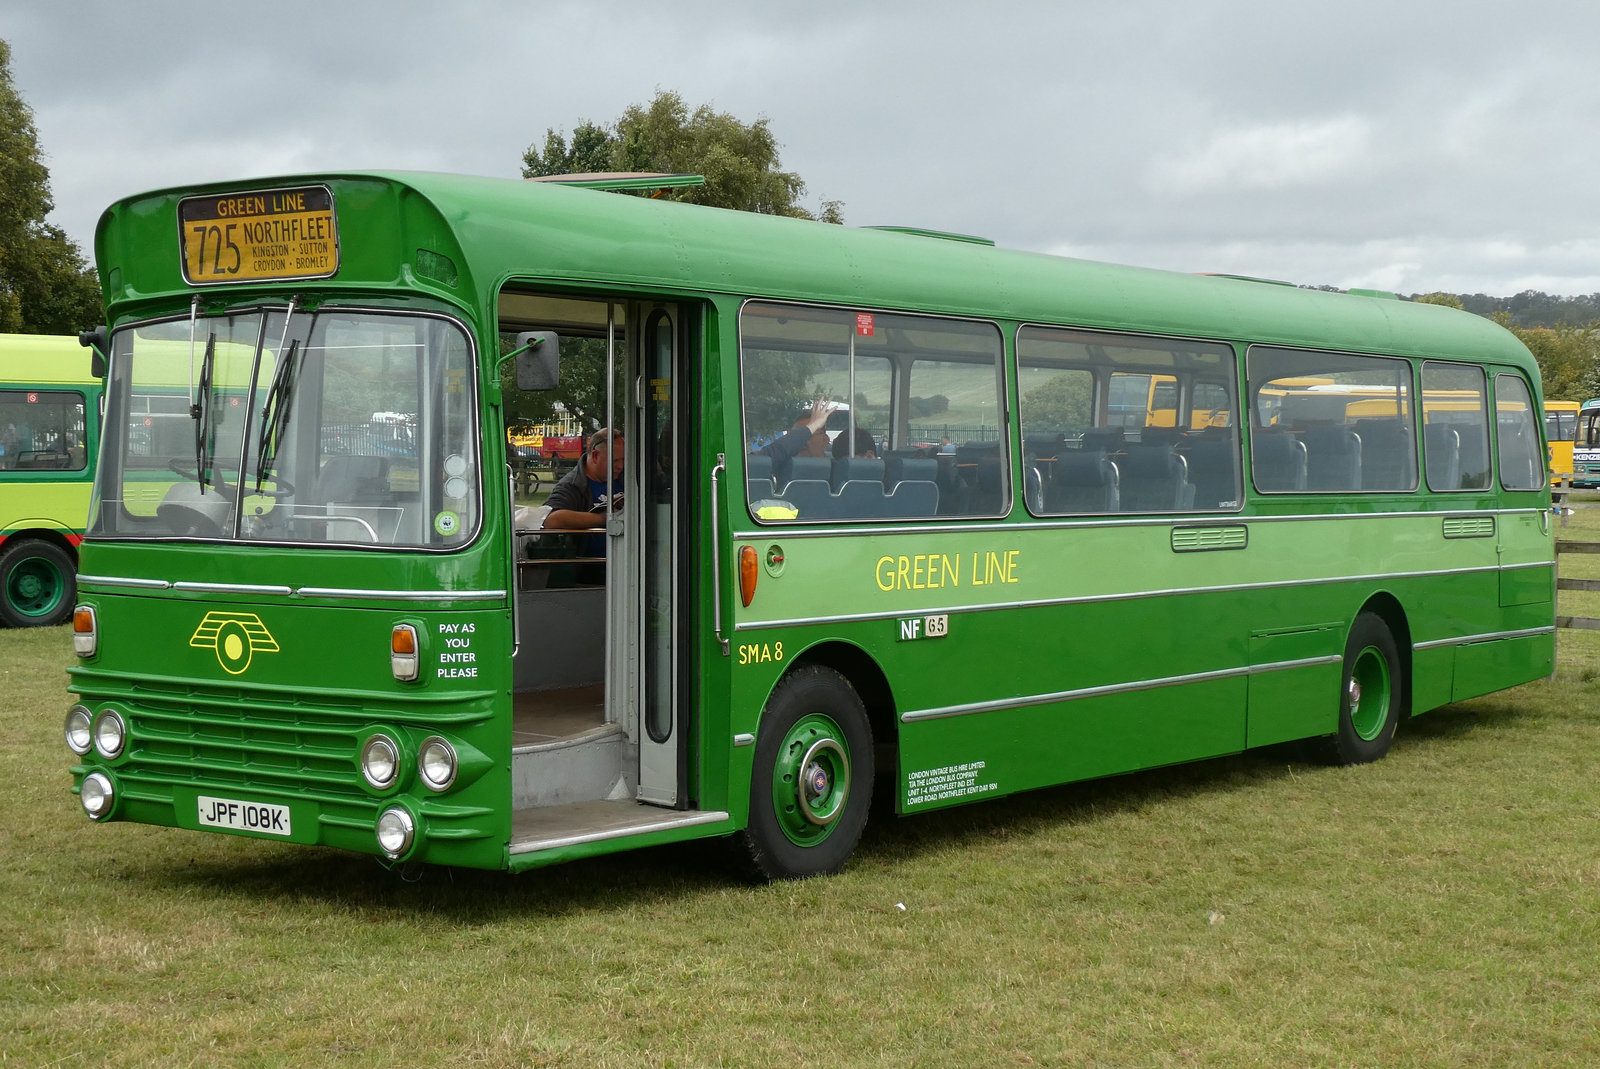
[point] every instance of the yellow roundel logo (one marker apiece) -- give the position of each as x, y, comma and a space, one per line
236, 636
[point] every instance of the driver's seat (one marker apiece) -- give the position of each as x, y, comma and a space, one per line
354, 480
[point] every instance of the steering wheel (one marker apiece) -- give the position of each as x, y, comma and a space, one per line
281, 488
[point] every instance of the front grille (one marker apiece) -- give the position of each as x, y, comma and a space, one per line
306, 744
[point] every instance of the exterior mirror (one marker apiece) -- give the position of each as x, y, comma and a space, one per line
98, 345
538, 359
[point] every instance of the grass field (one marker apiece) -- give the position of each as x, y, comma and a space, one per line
1438, 908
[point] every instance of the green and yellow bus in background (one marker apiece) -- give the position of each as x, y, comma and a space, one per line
49, 431
371, 648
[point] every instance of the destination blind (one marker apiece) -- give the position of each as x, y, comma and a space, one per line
263, 235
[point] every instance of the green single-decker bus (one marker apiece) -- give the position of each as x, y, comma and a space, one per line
856, 507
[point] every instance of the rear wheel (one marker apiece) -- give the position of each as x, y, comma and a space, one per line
38, 583
811, 787
1369, 701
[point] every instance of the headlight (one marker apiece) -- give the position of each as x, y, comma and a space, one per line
110, 733
380, 761
96, 794
80, 738
436, 763
396, 830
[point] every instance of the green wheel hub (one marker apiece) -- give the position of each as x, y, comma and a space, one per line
811, 779
35, 587
1371, 691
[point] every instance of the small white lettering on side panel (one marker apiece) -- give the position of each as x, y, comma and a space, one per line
951, 781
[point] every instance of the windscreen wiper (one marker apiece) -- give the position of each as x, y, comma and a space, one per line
275, 413
205, 435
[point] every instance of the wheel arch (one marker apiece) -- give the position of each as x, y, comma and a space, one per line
863, 673
1387, 608
41, 534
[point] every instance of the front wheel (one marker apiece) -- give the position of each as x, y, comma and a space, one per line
38, 584
812, 783
1370, 695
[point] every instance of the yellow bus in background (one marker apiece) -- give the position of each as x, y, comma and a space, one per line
1561, 431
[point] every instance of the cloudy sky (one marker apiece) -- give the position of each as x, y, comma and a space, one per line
1413, 146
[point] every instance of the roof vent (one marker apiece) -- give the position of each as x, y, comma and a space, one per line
919, 232
612, 181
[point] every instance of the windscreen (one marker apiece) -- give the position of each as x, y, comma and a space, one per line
277, 425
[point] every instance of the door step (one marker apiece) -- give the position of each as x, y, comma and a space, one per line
584, 767
551, 827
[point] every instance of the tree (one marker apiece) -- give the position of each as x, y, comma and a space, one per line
739, 160
741, 167
45, 285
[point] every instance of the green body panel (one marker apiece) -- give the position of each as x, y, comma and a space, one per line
284, 724
1139, 656
1073, 649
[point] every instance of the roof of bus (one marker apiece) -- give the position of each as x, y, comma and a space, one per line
509, 229
43, 360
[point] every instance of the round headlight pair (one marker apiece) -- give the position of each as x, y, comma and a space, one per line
105, 734
436, 762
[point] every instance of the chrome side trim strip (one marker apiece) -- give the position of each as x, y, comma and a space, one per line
399, 595
192, 587
230, 588
1492, 636
1163, 519
117, 580
968, 708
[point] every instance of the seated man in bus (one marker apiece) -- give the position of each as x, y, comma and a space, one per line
578, 501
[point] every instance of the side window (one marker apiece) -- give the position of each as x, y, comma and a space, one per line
1112, 423
1330, 422
1521, 460
42, 430
1455, 427
913, 428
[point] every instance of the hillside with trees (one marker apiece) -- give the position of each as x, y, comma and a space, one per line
1562, 333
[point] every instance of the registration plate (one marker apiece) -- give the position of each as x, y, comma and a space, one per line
260, 817
267, 234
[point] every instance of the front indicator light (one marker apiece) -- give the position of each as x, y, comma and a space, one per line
380, 761
110, 734
403, 659
436, 763
85, 633
80, 734
96, 794
396, 831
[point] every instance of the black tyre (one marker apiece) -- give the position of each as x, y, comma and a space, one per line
1370, 695
811, 788
38, 583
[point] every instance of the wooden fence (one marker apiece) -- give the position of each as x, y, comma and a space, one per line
1561, 495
